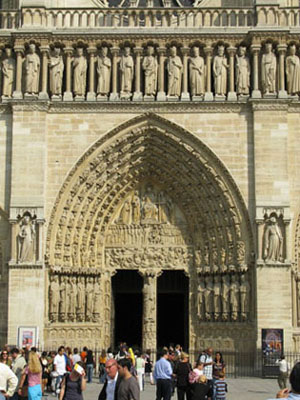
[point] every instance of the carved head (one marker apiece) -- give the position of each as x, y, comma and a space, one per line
150, 50
242, 50
127, 51
268, 48
79, 51
104, 51
221, 50
8, 52
32, 48
26, 220
57, 51
273, 220
173, 51
196, 51
243, 278
293, 49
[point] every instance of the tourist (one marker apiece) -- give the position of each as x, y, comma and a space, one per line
73, 383
112, 382
69, 359
200, 389
198, 370
220, 387
90, 365
140, 370
75, 357
18, 365
206, 359
148, 365
294, 394
4, 357
283, 372
182, 370
129, 387
45, 370
33, 371
102, 361
8, 382
162, 376
83, 354
218, 366
173, 360
109, 354
59, 366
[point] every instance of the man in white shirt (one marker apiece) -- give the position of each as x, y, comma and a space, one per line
112, 382
283, 372
207, 361
76, 357
59, 364
8, 382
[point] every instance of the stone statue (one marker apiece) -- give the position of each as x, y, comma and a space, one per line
242, 72
97, 299
149, 297
197, 69
217, 297
63, 299
32, 71
234, 298
56, 66
245, 291
125, 214
201, 300
220, 67
104, 73
89, 298
209, 289
72, 298
293, 72
150, 68
268, 70
80, 298
273, 241
26, 238
164, 208
8, 71
126, 69
53, 298
175, 69
225, 297
150, 211
136, 208
79, 73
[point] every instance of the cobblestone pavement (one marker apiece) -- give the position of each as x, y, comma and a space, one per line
238, 389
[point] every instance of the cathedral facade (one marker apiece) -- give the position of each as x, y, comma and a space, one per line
149, 172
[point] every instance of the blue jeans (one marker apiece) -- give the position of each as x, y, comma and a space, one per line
57, 383
90, 369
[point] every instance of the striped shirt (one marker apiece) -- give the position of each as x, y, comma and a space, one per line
221, 389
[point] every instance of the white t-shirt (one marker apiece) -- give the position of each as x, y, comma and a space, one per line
76, 358
60, 362
283, 365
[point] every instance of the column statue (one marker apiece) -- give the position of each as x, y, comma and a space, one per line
220, 67
63, 299
126, 69
8, 71
104, 73
209, 288
32, 71
273, 241
201, 300
293, 72
80, 298
234, 298
56, 66
97, 300
89, 298
268, 70
53, 298
242, 72
217, 297
225, 297
150, 68
79, 74
245, 291
26, 239
197, 69
175, 69
72, 302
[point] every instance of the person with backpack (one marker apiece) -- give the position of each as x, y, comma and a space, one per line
73, 383
206, 359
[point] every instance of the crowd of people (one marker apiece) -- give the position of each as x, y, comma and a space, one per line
28, 374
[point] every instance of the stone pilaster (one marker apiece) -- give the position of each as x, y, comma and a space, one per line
232, 93
208, 54
114, 94
185, 96
282, 93
255, 49
161, 95
91, 95
43, 95
19, 51
138, 95
68, 96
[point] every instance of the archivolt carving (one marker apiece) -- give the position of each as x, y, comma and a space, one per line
147, 148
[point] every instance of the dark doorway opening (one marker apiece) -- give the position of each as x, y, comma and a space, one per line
173, 309
128, 304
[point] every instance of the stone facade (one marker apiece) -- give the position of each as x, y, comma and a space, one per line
150, 150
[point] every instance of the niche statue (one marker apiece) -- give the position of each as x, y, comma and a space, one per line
32, 71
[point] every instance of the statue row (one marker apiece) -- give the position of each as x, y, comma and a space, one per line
224, 298
179, 72
74, 298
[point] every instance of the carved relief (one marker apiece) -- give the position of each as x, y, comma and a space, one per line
26, 239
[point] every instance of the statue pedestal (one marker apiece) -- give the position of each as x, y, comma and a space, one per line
185, 96
270, 96
197, 98
220, 97
137, 96
149, 98
79, 98
208, 96
91, 96
43, 96
31, 96
172, 98
114, 97
161, 96
56, 97
102, 97
282, 94
232, 96
68, 96
256, 94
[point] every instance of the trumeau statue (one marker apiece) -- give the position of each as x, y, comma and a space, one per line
293, 72
242, 72
104, 73
150, 67
56, 66
175, 69
220, 67
273, 241
197, 69
268, 70
32, 71
126, 69
26, 239
8, 71
79, 73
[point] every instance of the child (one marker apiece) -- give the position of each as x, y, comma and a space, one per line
200, 389
220, 387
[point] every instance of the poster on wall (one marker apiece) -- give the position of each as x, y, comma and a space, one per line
272, 343
27, 336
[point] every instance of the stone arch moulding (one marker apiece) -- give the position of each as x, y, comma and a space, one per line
149, 148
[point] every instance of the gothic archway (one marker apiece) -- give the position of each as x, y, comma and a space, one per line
190, 212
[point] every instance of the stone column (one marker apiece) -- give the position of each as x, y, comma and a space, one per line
19, 50
208, 54
286, 241
91, 95
138, 95
40, 233
149, 311
185, 96
43, 95
161, 95
282, 94
114, 94
255, 49
260, 232
232, 94
13, 250
68, 96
